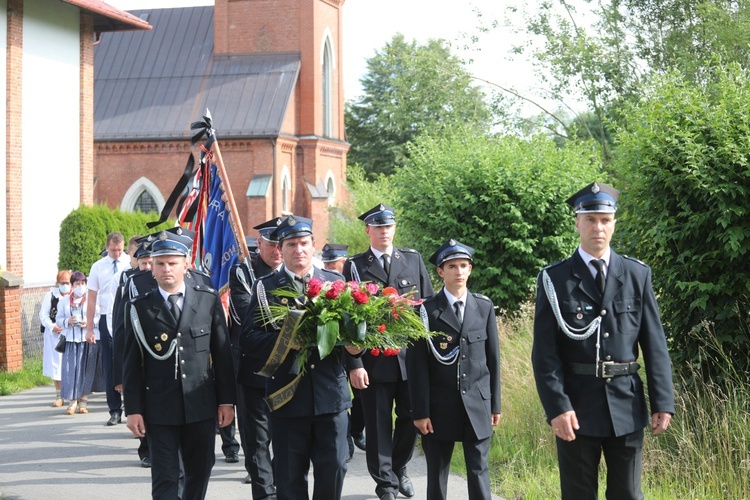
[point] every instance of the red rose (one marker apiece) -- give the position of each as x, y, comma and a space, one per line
381, 328
339, 286
360, 297
313, 287
396, 350
375, 351
332, 293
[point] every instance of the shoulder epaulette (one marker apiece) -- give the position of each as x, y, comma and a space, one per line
357, 256
555, 264
635, 260
141, 297
407, 250
482, 297
199, 271
204, 288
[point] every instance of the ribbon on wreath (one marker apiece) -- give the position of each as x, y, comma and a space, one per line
278, 354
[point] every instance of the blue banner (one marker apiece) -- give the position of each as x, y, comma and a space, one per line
219, 246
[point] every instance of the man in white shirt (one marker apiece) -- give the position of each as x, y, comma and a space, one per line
100, 278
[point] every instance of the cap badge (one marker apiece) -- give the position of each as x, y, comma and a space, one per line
381, 207
452, 242
291, 221
595, 188
163, 236
179, 231
278, 221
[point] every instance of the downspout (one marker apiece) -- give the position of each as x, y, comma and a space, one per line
275, 177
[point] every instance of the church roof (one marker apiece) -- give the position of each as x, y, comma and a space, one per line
152, 85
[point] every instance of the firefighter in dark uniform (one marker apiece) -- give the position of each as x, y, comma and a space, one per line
177, 373
252, 410
382, 380
454, 378
595, 314
308, 406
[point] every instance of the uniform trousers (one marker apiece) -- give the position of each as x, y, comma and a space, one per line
255, 435
297, 441
389, 446
579, 466
197, 441
114, 398
438, 455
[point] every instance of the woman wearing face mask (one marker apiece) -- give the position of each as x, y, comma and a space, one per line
52, 361
81, 362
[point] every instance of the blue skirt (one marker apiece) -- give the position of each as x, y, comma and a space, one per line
82, 371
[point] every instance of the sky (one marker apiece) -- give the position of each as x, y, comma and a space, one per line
369, 24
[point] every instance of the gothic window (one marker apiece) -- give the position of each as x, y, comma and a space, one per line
145, 203
331, 188
285, 194
327, 89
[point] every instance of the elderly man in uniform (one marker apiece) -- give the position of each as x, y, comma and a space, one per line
252, 411
382, 380
308, 405
177, 374
595, 312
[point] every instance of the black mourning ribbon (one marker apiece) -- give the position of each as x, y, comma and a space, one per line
387, 264
601, 278
205, 129
457, 306
173, 307
301, 284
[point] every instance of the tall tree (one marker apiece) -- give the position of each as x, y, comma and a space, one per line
409, 89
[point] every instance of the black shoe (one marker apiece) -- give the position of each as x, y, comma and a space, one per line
114, 419
404, 486
146, 462
359, 441
232, 457
387, 496
248, 479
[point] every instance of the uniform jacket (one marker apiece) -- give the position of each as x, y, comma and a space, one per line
240, 292
167, 394
408, 273
473, 381
630, 324
323, 388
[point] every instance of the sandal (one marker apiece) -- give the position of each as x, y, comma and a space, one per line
72, 408
82, 407
58, 402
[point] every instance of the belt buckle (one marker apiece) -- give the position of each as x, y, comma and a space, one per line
602, 372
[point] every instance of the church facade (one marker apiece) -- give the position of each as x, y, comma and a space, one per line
270, 73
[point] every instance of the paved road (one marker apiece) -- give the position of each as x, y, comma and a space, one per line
47, 454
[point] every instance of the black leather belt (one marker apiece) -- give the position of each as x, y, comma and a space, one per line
605, 369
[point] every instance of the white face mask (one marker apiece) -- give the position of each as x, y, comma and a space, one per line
79, 290
64, 289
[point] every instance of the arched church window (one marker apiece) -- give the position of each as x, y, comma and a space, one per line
145, 203
327, 89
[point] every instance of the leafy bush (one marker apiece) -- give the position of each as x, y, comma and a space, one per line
502, 196
684, 155
83, 233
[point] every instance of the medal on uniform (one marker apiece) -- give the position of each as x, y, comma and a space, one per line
285, 301
157, 347
448, 338
444, 345
164, 337
579, 316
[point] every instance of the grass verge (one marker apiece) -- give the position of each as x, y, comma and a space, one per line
30, 376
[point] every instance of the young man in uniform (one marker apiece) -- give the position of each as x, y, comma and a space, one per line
382, 380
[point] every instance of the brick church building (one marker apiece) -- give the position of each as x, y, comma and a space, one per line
270, 73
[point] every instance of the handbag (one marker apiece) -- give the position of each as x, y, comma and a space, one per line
61, 343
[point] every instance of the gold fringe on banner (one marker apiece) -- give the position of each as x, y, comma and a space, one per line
283, 342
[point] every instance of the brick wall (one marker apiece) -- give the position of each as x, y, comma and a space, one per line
87, 110
14, 138
11, 342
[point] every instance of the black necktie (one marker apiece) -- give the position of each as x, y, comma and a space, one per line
173, 307
301, 282
387, 264
601, 278
457, 305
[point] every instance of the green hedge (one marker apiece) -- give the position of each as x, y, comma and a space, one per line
83, 233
